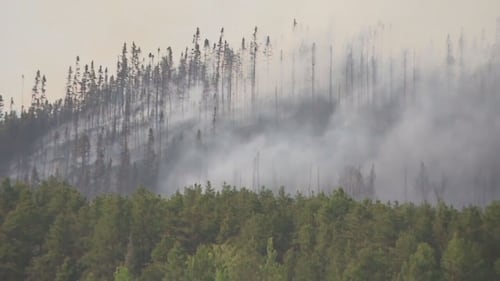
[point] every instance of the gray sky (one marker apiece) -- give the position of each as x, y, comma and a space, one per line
47, 35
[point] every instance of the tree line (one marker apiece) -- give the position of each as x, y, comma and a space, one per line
112, 131
53, 232
102, 111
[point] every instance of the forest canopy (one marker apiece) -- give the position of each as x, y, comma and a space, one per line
53, 232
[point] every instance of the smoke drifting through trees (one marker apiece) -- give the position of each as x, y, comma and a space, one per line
309, 117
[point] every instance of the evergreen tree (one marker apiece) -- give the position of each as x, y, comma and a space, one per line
150, 162
201, 266
196, 57
84, 156
100, 164
53, 233
35, 96
124, 170
76, 84
253, 58
462, 260
370, 183
272, 270
1, 108
58, 249
21, 236
176, 263
108, 238
43, 90
421, 266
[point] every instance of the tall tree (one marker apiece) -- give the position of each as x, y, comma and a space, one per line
35, 96
195, 64
330, 76
462, 260
450, 62
422, 183
150, 162
176, 263
421, 266
1, 108
370, 183
84, 156
254, 47
99, 165
313, 65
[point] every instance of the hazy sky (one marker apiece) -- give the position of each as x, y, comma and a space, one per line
47, 35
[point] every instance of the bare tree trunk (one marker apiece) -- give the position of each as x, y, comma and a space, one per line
330, 76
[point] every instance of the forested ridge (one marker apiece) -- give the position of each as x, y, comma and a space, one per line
53, 232
306, 113
114, 130
92, 182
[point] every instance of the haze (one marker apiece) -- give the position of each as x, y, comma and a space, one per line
48, 35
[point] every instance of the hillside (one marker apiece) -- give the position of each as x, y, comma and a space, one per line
305, 114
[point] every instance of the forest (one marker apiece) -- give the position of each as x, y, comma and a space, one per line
302, 112
53, 232
263, 147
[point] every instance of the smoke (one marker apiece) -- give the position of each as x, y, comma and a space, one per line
305, 142
317, 115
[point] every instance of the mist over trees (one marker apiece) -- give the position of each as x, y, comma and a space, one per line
308, 114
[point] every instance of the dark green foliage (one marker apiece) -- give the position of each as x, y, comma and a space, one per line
54, 233
421, 265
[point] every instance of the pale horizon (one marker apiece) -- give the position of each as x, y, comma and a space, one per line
48, 35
